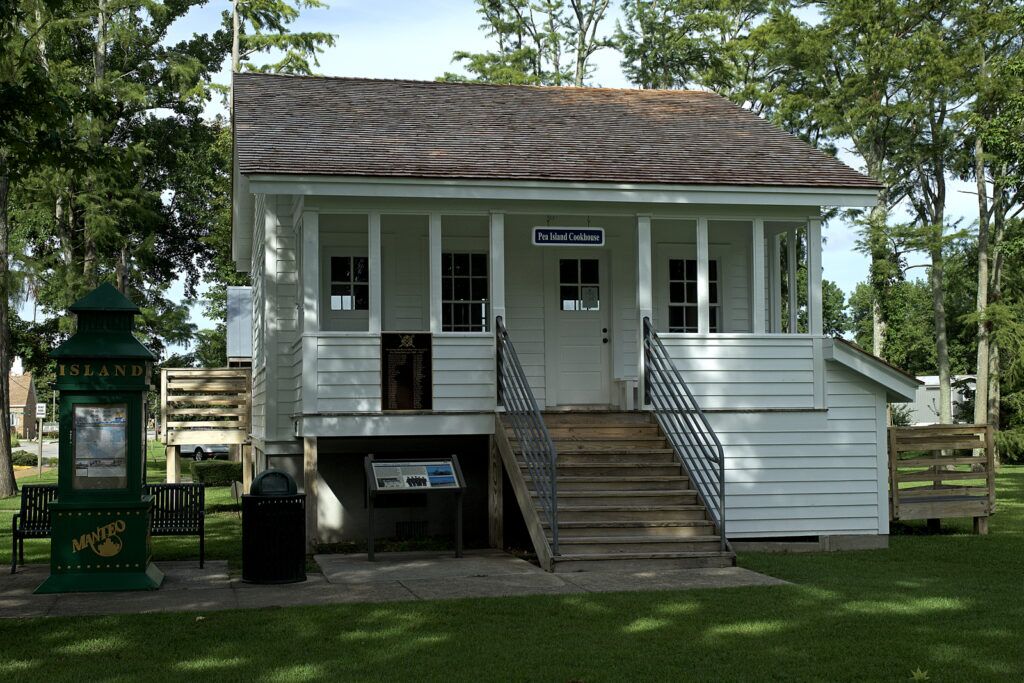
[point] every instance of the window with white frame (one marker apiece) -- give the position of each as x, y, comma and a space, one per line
579, 286
350, 283
464, 292
682, 296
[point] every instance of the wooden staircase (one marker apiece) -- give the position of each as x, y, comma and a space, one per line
624, 500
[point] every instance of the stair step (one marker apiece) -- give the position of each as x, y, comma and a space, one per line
656, 482
630, 513
618, 498
647, 456
603, 431
632, 529
575, 418
626, 446
613, 469
639, 544
577, 562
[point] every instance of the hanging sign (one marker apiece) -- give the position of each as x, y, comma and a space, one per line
568, 237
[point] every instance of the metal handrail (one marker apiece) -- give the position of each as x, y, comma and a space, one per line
535, 442
686, 427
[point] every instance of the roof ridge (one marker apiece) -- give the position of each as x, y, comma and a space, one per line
482, 84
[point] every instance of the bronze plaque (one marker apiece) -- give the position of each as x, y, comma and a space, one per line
407, 380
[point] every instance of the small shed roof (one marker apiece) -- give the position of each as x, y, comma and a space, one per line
418, 129
20, 387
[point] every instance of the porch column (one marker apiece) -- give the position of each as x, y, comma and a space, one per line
644, 296
310, 307
497, 271
814, 303
703, 307
775, 283
791, 278
757, 292
435, 273
374, 262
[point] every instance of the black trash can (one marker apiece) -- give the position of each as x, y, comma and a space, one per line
273, 530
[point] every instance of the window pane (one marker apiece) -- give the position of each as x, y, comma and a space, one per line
446, 316
479, 289
461, 264
446, 264
712, 270
461, 315
478, 316
675, 319
691, 292
713, 292
690, 318
676, 269
446, 288
588, 271
568, 271
691, 269
461, 289
341, 269
713, 319
590, 297
569, 296
362, 268
676, 293
479, 263
362, 294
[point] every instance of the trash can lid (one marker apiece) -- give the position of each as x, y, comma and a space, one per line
273, 483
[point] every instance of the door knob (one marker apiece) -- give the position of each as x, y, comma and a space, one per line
605, 340
604, 330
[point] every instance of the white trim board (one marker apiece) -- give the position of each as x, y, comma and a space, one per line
630, 193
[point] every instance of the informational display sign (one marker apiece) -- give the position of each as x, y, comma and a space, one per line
392, 475
41, 411
568, 237
408, 382
100, 446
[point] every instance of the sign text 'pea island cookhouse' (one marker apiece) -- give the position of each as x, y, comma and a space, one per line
588, 295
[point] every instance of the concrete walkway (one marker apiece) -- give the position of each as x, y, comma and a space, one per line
351, 578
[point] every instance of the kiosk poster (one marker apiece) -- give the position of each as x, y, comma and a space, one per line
100, 440
390, 475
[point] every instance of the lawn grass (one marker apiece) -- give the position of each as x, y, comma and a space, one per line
947, 604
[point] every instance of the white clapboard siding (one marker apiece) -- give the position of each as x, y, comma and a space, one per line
286, 316
745, 372
348, 373
807, 473
259, 327
524, 304
464, 373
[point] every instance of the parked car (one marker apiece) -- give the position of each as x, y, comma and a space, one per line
210, 452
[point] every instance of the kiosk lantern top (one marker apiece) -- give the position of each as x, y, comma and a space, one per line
106, 319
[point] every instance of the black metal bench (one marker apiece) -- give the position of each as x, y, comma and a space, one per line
178, 510
33, 519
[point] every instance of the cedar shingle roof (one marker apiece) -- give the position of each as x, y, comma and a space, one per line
19, 387
418, 129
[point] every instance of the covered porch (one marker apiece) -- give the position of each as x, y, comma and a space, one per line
722, 288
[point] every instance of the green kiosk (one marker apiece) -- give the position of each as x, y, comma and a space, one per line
100, 539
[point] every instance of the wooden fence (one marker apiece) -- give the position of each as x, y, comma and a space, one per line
938, 471
204, 406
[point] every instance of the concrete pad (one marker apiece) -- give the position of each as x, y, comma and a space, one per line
143, 602
503, 585
26, 605
675, 579
347, 569
26, 579
180, 576
296, 594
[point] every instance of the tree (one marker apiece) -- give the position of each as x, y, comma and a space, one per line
33, 115
261, 27
534, 40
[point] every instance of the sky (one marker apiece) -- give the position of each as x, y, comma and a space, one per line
415, 40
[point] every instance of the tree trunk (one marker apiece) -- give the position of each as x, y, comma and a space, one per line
937, 279
876, 224
8, 485
981, 407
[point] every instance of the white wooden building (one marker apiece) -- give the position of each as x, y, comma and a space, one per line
367, 207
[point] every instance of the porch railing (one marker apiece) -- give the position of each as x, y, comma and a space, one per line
686, 427
535, 444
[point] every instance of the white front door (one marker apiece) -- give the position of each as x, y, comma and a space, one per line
580, 341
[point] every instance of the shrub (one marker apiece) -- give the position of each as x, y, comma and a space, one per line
15, 441
901, 414
23, 458
1010, 445
216, 473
